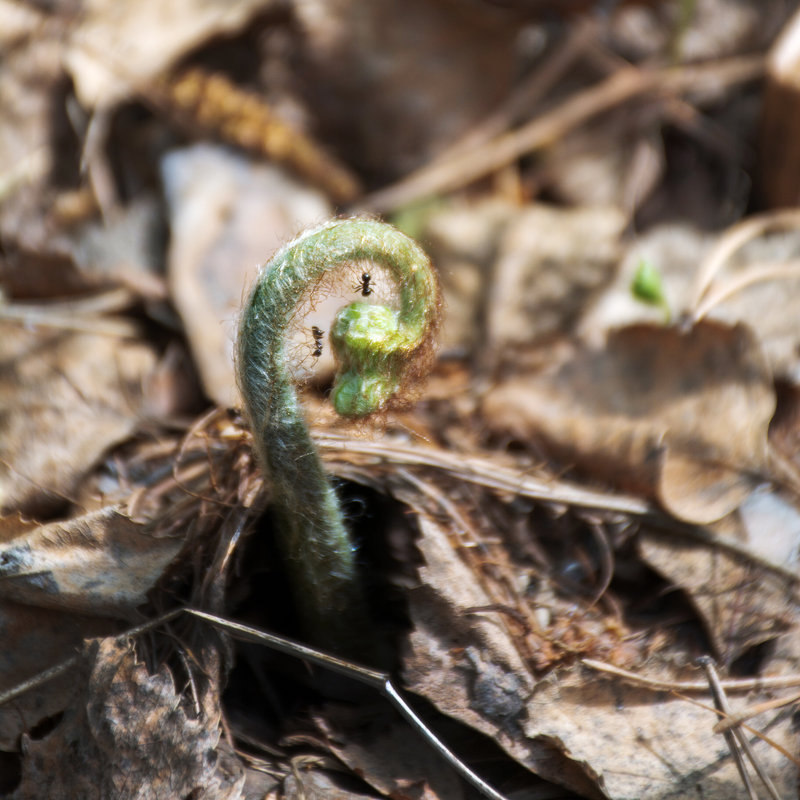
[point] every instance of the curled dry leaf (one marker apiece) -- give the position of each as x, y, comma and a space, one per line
66, 398
130, 735
99, 563
680, 415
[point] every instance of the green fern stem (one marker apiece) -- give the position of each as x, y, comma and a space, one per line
377, 349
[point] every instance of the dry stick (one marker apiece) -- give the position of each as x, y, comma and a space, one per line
732, 737
380, 681
457, 172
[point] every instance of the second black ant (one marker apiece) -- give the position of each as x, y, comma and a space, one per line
317, 334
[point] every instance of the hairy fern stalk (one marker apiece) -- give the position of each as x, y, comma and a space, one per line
378, 351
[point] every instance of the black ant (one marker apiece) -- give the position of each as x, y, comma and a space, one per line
317, 334
364, 286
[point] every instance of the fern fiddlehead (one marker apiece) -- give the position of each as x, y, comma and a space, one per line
377, 349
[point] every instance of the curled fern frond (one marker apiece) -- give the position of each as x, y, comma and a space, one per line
379, 351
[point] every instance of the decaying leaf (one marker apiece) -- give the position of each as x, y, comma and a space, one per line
66, 398
681, 415
596, 737
131, 735
36, 639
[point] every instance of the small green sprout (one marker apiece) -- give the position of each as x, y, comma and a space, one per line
647, 287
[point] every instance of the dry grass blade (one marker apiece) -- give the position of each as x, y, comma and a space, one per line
733, 240
752, 711
658, 685
484, 472
735, 738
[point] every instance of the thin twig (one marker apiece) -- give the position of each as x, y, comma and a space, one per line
380, 681
457, 172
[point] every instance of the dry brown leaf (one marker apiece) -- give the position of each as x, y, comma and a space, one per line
741, 600
227, 216
389, 756
116, 48
129, 735
37, 639
469, 667
66, 398
680, 415
99, 563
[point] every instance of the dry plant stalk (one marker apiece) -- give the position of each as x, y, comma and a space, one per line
219, 106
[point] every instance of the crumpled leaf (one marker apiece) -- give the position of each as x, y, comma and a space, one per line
66, 398
99, 563
130, 736
116, 48
680, 415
